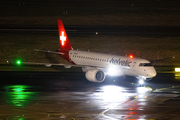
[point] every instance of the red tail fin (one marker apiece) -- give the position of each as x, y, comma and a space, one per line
63, 38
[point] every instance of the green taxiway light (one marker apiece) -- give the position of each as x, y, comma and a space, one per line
18, 62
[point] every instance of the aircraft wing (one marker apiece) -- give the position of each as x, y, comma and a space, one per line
18, 62
160, 59
52, 64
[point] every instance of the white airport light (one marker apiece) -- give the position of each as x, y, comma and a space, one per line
177, 69
177, 73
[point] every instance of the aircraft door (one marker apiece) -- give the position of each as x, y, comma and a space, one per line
133, 65
132, 69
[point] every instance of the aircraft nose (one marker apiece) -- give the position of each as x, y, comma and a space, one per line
153, 72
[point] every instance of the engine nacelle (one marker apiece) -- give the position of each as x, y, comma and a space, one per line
95, 75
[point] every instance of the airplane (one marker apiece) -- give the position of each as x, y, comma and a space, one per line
99, 65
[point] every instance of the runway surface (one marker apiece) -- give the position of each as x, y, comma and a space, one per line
120, 30
69, 96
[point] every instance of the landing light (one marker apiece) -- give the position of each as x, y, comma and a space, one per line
141, 82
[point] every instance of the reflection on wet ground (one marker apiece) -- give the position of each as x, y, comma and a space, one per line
18, 95
58, 96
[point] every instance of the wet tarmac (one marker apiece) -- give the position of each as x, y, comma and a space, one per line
69, 96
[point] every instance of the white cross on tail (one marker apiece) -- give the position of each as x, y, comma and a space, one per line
63, 38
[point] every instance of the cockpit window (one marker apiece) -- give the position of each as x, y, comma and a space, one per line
145, 64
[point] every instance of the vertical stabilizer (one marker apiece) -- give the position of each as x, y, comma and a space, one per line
63, 38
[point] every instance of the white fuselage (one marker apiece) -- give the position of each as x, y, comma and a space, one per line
112, 64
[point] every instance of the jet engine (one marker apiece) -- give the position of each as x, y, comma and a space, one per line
95, 75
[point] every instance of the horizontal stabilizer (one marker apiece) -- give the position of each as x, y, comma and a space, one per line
48, 51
